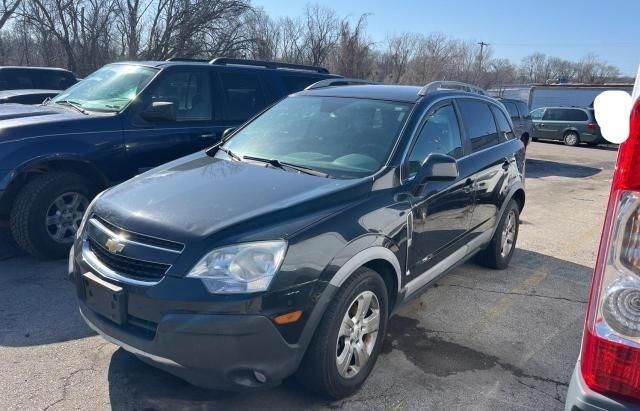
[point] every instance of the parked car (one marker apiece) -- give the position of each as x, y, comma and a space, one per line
26, 96
571, 125
118, 122
519, 112
607, 373
286, 248
42, 78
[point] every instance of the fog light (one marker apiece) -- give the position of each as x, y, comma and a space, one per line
621, 310
260, 377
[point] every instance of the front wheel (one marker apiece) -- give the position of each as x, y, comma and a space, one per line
47, 213
500, 250
349, 338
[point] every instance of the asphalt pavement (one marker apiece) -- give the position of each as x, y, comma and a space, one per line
479, 339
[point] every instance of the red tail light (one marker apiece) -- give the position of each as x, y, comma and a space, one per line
592, 126
611, 345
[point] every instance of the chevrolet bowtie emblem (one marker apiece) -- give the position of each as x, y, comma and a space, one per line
114, 246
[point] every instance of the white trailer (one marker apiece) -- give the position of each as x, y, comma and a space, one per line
542, 95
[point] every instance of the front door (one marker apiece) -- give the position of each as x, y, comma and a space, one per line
151, 143
441, 215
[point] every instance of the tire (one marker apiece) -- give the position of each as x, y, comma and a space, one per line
495, 256
58, 198
571, 139
318, 371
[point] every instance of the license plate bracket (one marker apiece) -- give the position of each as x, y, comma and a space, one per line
108, 300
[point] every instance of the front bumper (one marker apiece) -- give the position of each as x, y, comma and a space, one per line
207, 350
582, 398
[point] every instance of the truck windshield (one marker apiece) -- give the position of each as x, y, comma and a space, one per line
340, 137
109, 89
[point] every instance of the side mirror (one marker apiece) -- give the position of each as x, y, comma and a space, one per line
160, 111
228, 132
436, 167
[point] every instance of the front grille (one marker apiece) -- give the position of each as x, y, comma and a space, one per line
136, 269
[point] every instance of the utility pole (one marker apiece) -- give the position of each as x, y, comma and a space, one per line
482, 45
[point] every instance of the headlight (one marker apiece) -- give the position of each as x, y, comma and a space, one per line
240, 268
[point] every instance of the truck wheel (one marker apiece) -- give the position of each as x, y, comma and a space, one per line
47, 213
571, 139
500, 250
348, 340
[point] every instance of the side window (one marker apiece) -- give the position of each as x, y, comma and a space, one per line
189, 91
293, 84
19, 79
511, 108
504, 128
524, 110
50, 79
244, 95
575, 115
551, 114
537, 114
440, 134
479, 124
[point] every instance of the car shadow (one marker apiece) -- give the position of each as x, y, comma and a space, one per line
415, 335
605, 147
8, 247
545, 168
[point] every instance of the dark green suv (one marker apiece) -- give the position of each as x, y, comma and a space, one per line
572, 125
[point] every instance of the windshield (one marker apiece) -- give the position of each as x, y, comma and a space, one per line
109, 89
343, 137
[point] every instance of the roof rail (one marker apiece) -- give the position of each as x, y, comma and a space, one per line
331, 82
267, 64
187, 59
450, 85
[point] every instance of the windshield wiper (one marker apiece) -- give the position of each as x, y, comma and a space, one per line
230, 153
73, 104
284, 165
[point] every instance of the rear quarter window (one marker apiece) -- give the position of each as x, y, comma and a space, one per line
478, 124
565, 114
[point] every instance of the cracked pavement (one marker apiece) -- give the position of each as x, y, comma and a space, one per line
480, 339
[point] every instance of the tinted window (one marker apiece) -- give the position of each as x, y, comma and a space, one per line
189, 91
294, 84
511, 108
14, 79
504, 128
479, 124
523, 109
565, 114
244, 95
440, 134
536, 114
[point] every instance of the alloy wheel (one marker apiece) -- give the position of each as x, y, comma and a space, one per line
358, 334
508, 234
64, 216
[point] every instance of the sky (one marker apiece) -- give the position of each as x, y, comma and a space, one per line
568, 29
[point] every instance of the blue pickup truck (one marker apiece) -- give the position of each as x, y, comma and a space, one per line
118, 122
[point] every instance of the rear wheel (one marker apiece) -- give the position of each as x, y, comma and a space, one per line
571, 139
349, 338
47, 213
500, 250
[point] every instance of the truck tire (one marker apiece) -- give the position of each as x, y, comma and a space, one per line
342, 354
47, 213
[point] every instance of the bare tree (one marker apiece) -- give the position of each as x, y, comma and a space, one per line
322, 33
352, 56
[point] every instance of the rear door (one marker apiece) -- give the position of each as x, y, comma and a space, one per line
151, 143
488, 162
552, 124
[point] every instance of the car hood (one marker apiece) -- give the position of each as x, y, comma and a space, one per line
19, 121
201, 196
